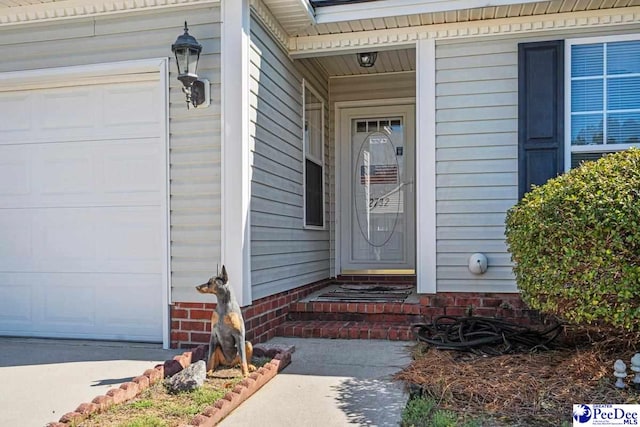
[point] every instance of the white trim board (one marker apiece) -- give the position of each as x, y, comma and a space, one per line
236, 159
426, 173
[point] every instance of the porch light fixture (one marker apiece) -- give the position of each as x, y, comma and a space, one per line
367, 59
187, 51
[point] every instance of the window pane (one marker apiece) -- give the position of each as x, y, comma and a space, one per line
587, 60
623, 57
623, 128
313, 124
623, 93
586, 129
586, 95
314, 211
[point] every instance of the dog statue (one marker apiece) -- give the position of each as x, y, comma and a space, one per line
227, 345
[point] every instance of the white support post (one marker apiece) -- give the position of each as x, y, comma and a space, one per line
426, 165
236, 179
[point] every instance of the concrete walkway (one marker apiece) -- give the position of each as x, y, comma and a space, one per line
330, 383
41, 379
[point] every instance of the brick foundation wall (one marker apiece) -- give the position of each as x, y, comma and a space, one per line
191, 322
507, 306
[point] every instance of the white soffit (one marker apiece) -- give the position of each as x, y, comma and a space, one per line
298, 18
292, 15
449, 16
389, 38
391, 8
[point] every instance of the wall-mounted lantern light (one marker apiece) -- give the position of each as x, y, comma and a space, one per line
187, 51
367, 59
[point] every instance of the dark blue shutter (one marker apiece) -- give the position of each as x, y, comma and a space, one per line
540, 113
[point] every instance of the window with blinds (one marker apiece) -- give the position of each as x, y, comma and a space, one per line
603, 96
314, 157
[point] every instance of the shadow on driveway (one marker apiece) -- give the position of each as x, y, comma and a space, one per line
42, 379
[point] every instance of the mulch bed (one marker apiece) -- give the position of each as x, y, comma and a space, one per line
529, 389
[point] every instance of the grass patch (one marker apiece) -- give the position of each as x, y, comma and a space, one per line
423, 412
156, 407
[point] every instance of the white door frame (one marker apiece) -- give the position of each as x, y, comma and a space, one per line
341, 163
62, 76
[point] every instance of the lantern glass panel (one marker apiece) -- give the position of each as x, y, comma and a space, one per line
181, 60
194, 55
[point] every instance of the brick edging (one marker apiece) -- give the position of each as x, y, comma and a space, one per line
211, 415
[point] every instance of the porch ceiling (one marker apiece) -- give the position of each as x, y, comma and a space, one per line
388, 61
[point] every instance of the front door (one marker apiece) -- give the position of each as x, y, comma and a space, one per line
377, 170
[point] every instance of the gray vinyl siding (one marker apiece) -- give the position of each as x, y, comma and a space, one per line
367, 87
284, 254
477, 156
194, 135
476, 161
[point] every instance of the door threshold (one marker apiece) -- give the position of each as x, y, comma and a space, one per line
374, 272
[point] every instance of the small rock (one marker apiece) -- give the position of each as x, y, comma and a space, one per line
189, 378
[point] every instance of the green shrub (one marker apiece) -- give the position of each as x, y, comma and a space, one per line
575, 242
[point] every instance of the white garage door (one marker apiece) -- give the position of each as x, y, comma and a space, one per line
82, 216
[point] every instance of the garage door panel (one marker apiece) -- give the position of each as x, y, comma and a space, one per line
66, 237
133, 167
83, 210
61, 175
15, 112
93, 112
137, 296
130, 240
102, 306
117, 239
54, 107
69, 303
15, 303
104, 173
15, 178
16, 244
131, 105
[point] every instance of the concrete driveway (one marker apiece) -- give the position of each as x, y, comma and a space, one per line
42, 379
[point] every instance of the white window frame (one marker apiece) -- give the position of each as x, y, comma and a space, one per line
604, 148
308, 156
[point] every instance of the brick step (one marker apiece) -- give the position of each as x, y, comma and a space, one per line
345, 330
356, 317
374, 312
356, 307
